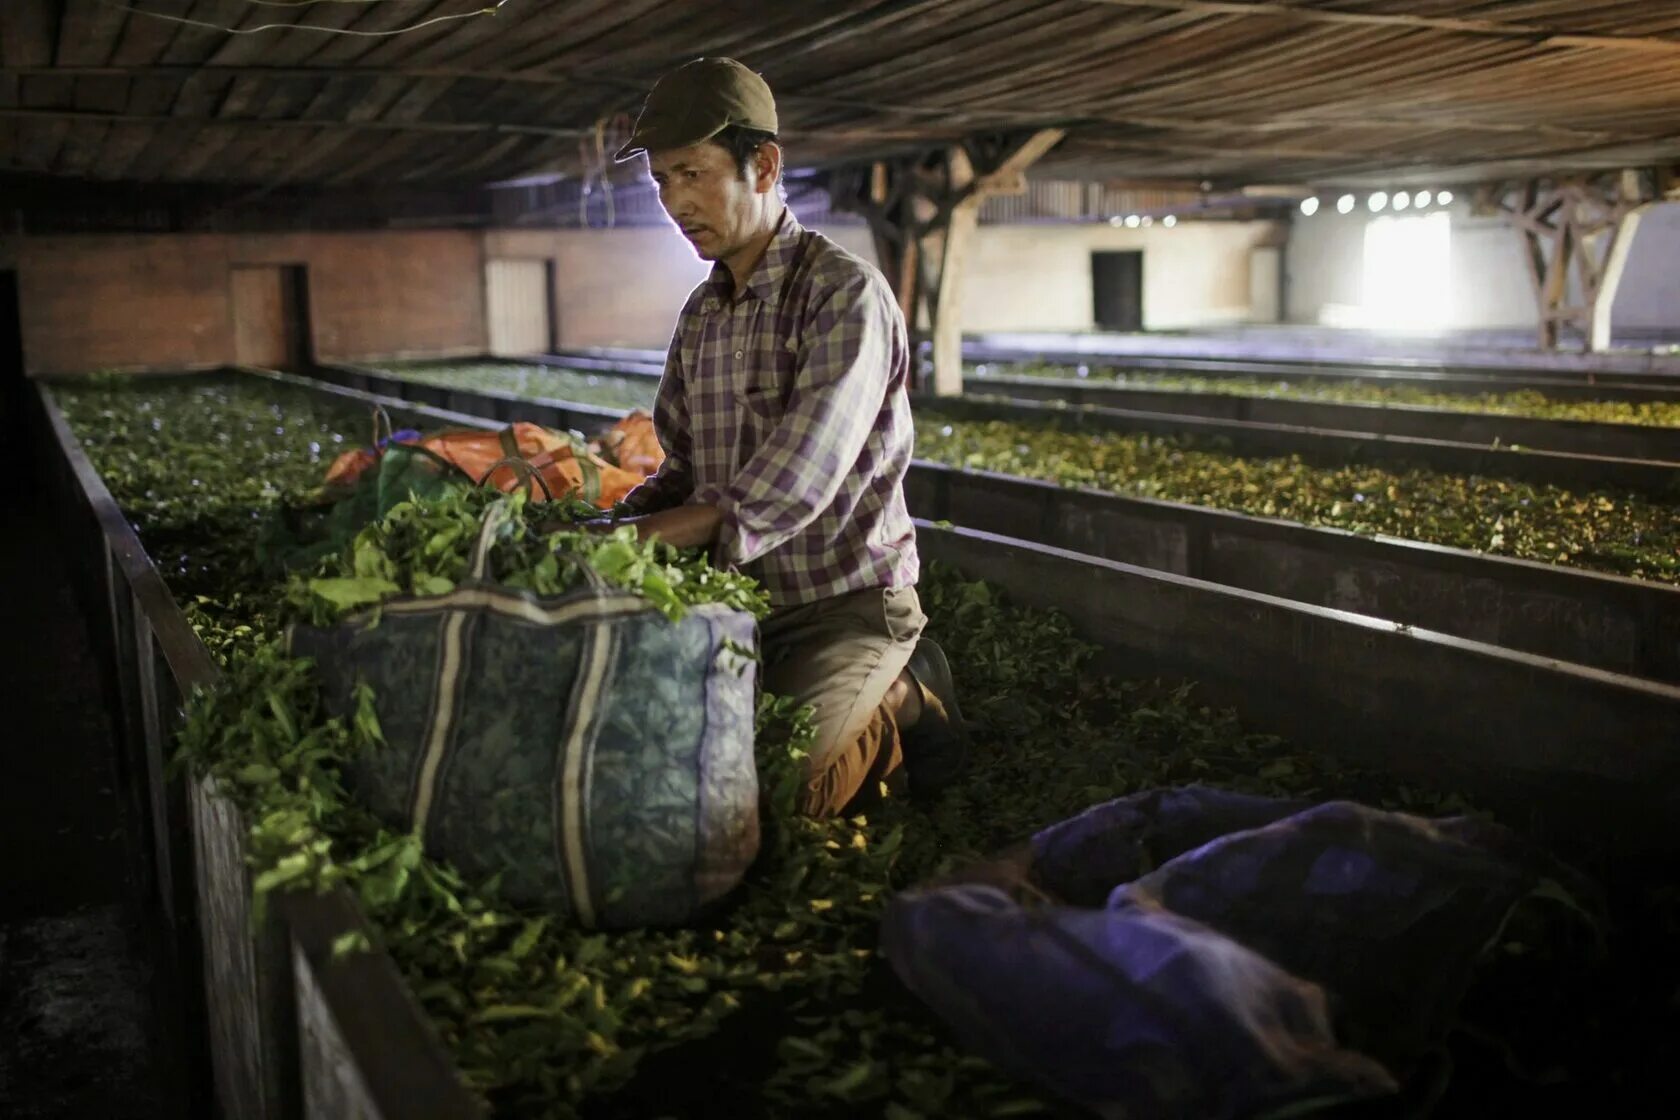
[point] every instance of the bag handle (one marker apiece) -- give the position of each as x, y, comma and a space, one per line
379, 414
478, 563
519, 465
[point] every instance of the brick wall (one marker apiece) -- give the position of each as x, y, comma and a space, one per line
162, 301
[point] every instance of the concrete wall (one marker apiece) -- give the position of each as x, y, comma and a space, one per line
1649, 297
1038, 277
1324, 267
624, 287
91, 302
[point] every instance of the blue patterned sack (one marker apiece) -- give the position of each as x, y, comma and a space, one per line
593, 753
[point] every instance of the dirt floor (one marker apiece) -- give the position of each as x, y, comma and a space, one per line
78, 1037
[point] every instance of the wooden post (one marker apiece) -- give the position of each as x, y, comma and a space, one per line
923, 212
1572, 226
1621, 244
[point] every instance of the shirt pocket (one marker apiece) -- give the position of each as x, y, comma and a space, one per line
759, 410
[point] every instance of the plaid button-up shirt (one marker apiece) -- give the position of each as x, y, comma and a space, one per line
787, 408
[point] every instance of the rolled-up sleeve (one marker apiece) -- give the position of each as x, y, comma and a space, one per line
845, 363
673, 483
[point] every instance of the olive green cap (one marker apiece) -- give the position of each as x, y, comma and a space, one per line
697, 101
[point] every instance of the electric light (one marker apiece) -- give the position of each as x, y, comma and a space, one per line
1344, 205
1378, 202
1402, 201
1423, 199
1444, 198
1309, 206
1170, 220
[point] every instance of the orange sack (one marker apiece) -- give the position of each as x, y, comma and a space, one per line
551, 455
632, 444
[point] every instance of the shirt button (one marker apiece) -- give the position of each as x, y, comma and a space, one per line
739, 354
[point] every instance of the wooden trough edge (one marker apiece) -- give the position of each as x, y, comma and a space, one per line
1595, 755
1611, 622
1581, 369
1582, 437
1648, 476
249, 989
1631, 392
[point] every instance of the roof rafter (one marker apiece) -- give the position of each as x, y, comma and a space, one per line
947, 114
1547, 36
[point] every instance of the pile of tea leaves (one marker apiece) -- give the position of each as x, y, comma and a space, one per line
534, 381
1621, 532
424, 547
1521, 402
780, 1006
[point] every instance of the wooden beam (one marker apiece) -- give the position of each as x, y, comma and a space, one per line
961, 221
1538, 34
28, 30
1615, 267
452, 127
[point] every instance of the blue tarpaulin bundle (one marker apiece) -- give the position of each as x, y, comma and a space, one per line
1194, 952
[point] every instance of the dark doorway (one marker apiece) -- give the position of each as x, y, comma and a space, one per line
271, 316
1117, 290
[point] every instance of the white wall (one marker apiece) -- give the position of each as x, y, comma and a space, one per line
1038, 277
1324, 268
624, 287
1649, 297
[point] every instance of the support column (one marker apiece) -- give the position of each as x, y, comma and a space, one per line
923, 211
1615, 266
1574, 228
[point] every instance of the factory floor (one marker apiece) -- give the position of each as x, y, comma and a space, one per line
78, 1035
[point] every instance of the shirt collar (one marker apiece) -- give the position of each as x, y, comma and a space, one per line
772, 268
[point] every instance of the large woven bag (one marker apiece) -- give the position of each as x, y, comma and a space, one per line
593, 753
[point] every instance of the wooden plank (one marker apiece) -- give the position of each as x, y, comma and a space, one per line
81, 148
190, 41
123, 145
242, 93
152, 96
1528, 32
102, 94
164, 148
28, 30
378, 97
142, 42
47, 91
324, 146
39, 143
201, 152
373, 27
89, 31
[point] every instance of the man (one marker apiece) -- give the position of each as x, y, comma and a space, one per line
785, 419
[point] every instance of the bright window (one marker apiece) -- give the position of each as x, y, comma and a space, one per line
1408, 275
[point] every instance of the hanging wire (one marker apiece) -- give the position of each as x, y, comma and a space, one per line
596, 169
492, 9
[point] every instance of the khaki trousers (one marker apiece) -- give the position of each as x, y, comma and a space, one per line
840, 655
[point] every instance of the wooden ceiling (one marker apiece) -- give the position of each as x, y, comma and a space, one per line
1317, 92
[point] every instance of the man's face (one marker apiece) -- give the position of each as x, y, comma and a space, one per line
704, 192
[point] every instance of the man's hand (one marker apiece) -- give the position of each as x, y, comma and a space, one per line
684, 527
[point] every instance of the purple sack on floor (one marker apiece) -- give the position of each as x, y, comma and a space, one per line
1277, 956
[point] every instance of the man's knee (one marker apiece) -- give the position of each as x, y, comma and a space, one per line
838, 780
